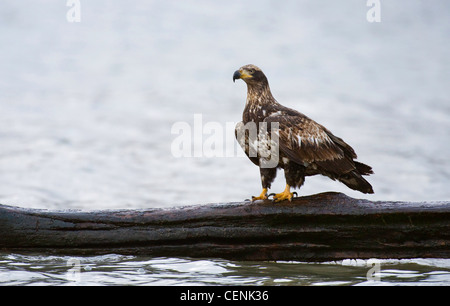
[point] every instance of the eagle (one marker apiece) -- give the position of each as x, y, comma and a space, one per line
277, 137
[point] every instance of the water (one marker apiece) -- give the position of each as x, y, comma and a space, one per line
119, 270
86, 112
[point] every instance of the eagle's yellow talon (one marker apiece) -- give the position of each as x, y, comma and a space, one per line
262, 196
285, 195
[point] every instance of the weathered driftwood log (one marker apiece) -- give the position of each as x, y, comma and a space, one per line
328, 226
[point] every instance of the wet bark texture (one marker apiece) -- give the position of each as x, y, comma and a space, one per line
322, 227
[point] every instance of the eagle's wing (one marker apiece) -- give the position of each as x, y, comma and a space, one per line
304, 141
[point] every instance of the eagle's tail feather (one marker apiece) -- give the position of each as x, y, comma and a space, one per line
363, 169
355, 181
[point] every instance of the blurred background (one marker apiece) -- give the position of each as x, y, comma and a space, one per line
86, 108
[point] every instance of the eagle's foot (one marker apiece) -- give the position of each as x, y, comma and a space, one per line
262, 196
285, 195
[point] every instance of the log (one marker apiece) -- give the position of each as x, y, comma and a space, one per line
322, 227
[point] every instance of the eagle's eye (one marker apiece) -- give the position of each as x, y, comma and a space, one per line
251, 70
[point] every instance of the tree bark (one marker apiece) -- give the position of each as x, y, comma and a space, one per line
322, 227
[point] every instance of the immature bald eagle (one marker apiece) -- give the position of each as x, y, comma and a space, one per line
298, 144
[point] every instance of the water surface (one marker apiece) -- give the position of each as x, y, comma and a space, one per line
135, 270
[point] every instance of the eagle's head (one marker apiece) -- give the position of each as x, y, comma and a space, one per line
251, 75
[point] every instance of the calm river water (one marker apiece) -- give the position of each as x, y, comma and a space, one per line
88, 110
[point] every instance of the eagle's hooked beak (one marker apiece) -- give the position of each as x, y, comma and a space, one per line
236, 75
241, 74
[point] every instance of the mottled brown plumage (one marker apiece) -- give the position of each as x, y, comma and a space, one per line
301, 146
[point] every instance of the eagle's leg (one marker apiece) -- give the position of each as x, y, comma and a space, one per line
295, 177
285, 195
267, 177
262, 196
